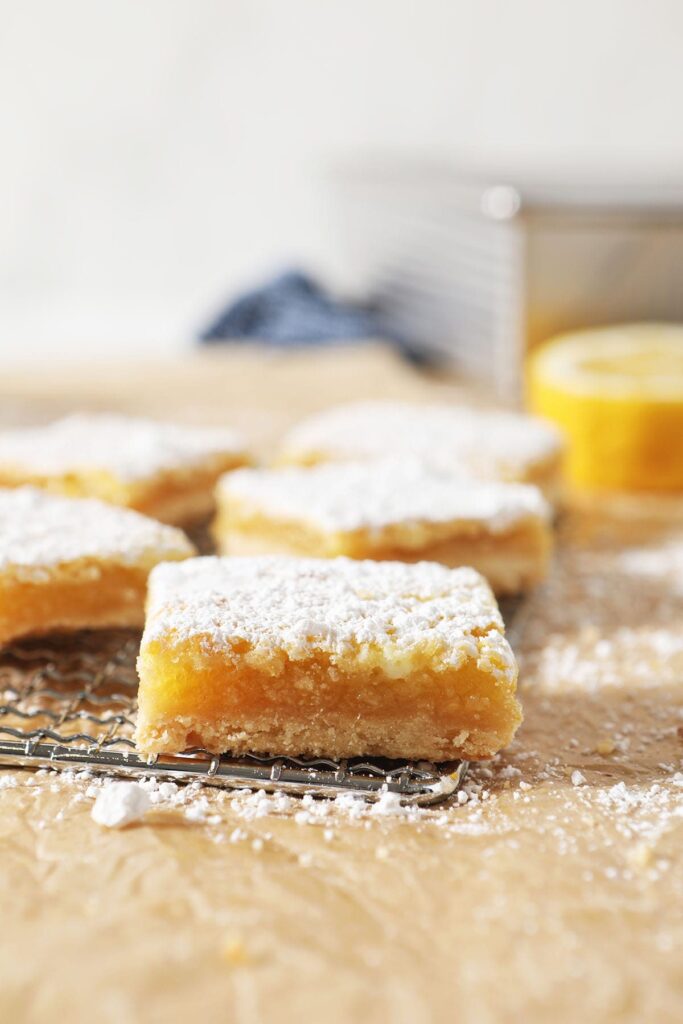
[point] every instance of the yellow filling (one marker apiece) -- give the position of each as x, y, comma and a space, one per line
510, 561
84, 595
193, 695
174, 496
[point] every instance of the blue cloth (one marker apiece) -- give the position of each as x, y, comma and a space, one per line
292, 309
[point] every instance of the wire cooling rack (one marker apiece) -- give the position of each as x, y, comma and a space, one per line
70, 702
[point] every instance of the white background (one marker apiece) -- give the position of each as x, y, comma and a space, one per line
156, 155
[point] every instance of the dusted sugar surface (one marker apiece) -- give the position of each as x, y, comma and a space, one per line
373, 495
356, 612
130, 449
477, 441
43, 530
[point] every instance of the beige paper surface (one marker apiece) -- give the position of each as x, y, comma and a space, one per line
548, 896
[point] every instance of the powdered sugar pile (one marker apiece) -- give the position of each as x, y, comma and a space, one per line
119, 804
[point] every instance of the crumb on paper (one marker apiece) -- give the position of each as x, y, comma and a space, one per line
165, 791
119, 804
197, 810
606, 745
235, 951
640, 855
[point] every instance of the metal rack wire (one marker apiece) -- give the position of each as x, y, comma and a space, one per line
70, 702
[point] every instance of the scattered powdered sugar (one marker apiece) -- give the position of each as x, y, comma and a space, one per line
644, 812
119, 804
480, 442
339, 606
638, 811
639, 814
390, 804
656, 561
163, 791
251, 806
38, 530
198, 810
653, 656
371, 495
607, 613
129, 448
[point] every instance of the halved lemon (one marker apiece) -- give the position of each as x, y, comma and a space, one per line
617, 394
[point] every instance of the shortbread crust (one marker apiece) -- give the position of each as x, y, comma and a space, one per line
324, 657
478, 442
164, 470
388, 510
69, 564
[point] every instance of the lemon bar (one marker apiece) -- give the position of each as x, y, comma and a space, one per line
388, 510
324, 657
68, 564
477, 442
164, 470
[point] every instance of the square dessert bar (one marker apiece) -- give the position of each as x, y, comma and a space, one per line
477, 442
68, 564
388, 510
334, 658
163, 470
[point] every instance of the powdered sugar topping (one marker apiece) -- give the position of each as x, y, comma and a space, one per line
475, 441
129, 448
41, 530
372, 495
360, 610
